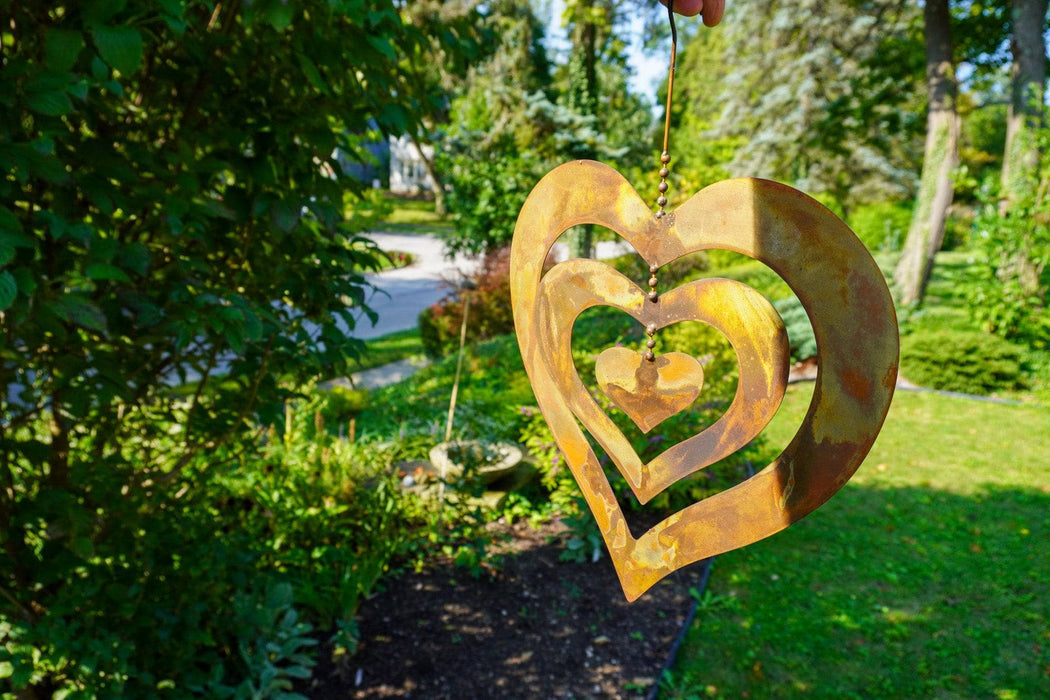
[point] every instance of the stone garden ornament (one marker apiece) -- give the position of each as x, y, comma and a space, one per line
823, 262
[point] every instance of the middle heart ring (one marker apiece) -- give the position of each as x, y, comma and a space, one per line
741, 314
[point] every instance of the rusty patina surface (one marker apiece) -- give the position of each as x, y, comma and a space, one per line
825, 264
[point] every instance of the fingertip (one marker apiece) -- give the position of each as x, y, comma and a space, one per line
713, 11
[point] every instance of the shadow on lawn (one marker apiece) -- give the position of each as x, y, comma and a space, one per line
884, 592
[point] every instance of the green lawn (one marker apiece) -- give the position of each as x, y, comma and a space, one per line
413, 216
928, 575
390, 348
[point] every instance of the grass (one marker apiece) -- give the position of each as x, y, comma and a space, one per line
413, 216
390, 348
926, 576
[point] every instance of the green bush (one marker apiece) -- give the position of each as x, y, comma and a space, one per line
964, 361
294, 530
882, 225
1010, 291
799, 329
178, 253
489, 313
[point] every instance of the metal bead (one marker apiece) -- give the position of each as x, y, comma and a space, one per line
662, 187
650, 344
653, 269
665, 157
650, 329
664, 172
650, 356
661, 201
653, 281
653, 295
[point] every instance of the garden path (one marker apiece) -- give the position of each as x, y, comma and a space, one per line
401, 295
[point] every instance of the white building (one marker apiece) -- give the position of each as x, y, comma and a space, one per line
408, 172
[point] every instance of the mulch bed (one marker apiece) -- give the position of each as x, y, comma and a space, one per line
539, 628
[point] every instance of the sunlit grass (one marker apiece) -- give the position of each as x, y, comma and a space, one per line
926, 576
392, 347
413, 216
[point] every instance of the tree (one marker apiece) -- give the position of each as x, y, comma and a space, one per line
513, 121
819, 94
941, 156
493, 149
437, 70
1027, 88
175, 260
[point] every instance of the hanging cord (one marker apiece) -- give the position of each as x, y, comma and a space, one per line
665, 156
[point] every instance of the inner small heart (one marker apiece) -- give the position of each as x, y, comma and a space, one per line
649, 392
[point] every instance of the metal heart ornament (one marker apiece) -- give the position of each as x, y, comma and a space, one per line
824, 263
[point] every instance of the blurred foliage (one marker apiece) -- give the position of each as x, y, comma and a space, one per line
178, 254
515, 117
1010, 287
964, 361
486, 301
820, 95
802, 342
881, 225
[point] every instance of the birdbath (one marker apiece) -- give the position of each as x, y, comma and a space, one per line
488, 460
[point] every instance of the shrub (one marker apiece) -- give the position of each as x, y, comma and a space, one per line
172, 213
883, 225
964, 361
1010, 292
489, 313
799, 329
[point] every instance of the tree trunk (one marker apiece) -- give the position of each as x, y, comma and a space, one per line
936, 186
1027, 80
440, 208
583, 97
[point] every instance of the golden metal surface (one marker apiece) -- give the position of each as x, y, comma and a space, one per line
828, 268
649, 392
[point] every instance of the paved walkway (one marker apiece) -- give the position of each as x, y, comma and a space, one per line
402, 294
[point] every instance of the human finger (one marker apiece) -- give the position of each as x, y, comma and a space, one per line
710, 10
686, 8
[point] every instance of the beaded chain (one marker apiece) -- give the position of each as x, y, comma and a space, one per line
665, 161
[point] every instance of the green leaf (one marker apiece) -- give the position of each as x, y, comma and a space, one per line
82, 547
9, 223
253, 327
120, 47
26, 280
52, 103
79, 310
394, 117
8, 289
286, 215
61, 48
7, 252
312, 74
135, 257
383, 46
22, 675
98, 12
280, 15
105, 271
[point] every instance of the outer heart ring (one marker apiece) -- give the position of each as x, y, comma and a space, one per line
838, 284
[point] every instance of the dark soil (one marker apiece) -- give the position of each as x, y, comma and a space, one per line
539, 628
